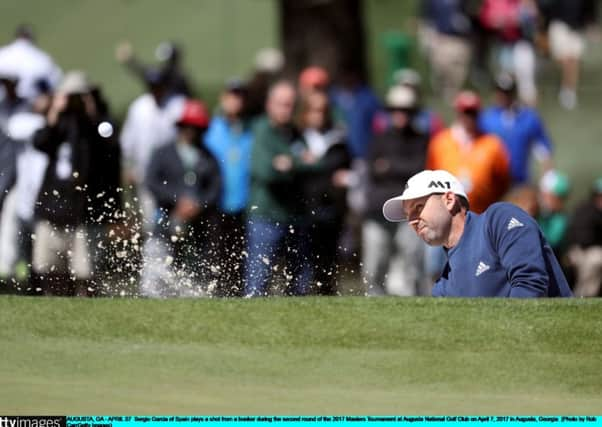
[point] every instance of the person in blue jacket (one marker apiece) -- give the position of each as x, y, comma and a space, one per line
520, 127
499, 253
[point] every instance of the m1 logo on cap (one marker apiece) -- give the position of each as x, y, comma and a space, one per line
439, 184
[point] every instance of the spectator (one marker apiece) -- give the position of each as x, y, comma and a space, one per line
525, 197
312, 79
585, 244
169, 55
61, 252
269, 63
394, 157
103, 203
567, 22
30, 170
275, 218
184, 179
149, 124
358, 105
8, 154
449, 45
554, 189
230, 140
11, 103
424, 118
479, 160
514, 23
323, 189
519, 127
31, 64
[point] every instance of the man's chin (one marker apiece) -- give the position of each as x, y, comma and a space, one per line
430, 242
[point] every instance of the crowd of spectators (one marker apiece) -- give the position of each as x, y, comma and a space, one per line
462, 37
271, 190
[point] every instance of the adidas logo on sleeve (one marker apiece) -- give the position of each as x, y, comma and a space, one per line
481, 268
514, 223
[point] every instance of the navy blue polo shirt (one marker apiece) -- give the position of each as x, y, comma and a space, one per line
502, 253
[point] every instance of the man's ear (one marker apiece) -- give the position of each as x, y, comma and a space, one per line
449, 200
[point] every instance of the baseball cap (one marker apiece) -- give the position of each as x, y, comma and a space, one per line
195, 114
556, 183
236, 85
408, 77
73, 83
422, 184
167, 51
269, 60
505, 82
467, 100
155, 76
401, 97
314, 76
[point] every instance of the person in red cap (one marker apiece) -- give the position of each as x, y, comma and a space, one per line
313, 78
185, 181
479, 160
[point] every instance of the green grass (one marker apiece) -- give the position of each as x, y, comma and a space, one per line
310, 355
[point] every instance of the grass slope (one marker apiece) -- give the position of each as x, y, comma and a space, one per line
310, 355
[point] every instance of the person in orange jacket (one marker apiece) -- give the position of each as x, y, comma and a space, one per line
480, 161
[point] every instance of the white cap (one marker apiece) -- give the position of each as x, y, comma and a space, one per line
408, 77
74, 82
401, 97
422, 184
269, 59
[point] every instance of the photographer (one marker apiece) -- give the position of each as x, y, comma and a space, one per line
61, 252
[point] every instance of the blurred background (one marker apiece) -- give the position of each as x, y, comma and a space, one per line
449, 46
219, 38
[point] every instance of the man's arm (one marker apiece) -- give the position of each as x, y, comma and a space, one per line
440, 286
542, 145
518, 242
164, 191
211, 180
8, 160
264, 150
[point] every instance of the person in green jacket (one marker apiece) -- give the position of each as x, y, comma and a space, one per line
276, 223
554, 188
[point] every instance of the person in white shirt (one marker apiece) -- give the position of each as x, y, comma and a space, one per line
31, 64
149, 124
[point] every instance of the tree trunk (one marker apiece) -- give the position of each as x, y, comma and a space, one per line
328, 33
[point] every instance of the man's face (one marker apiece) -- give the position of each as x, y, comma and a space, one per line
399, 118
469, 120
231, 103
281, 105
316, 110
503, 98
429, 217
189, 134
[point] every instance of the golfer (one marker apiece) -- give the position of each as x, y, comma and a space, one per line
499, 253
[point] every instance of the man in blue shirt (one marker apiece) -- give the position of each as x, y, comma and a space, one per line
500, 253
519, 127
